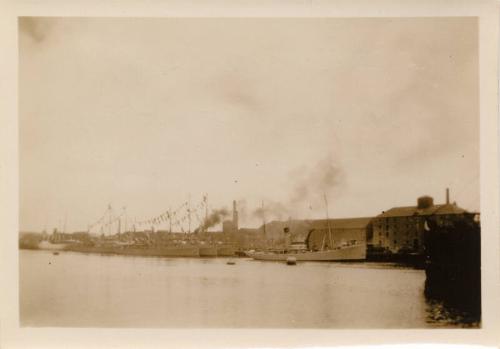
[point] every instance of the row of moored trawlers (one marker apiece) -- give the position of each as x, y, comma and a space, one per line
330, 251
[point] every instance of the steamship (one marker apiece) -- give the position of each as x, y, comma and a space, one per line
345, 251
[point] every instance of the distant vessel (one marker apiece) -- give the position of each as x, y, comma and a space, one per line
131, 250
208, 251
341, 253
350, 251
46, 245
226, 251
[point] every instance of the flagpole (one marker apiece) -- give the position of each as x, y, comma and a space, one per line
328, 222
206, 213
109, 219
170, 219
189, 214
126, 218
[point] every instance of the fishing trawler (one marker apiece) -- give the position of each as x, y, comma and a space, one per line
344, 251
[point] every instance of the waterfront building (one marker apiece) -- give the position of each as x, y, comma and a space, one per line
400, 230
343, 231
315, 233
228, 228
250, 238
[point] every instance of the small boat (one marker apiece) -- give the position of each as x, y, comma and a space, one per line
55, 253
230, 262
291, 261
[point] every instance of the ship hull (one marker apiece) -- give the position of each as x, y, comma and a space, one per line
208, 251
45, 245
190, 251
226, 251
348, 253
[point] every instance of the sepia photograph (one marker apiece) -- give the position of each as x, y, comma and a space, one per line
267, 173
306, 173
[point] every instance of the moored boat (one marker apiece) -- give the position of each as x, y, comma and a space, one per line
47, 245
342, 253
134, 250
208, 251
225, 251
301, 251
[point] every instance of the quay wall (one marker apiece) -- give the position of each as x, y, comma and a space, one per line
453, 265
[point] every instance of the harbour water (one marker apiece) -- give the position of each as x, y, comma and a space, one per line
90, 290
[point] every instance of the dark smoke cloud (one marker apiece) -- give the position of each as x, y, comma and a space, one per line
214, 218
309, 185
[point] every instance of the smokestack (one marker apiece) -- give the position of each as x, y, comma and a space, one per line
235, 216
447, 196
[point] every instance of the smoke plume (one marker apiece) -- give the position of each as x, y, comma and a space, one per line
321, 179
308, 186
242, 211
272, 210
214, 218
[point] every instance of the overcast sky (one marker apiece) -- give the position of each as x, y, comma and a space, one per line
145, 113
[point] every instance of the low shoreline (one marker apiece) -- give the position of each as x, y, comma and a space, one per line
193, 252
171, 251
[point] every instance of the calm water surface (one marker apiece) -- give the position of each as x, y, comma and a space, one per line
74, 289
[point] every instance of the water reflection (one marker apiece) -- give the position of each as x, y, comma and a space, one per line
121, 291
444, 315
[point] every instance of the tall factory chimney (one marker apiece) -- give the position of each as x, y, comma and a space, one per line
235, 216
447, 196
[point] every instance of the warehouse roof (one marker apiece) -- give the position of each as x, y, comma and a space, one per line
341, 223
406, 211
307, 225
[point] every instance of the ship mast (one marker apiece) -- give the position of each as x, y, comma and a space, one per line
328, 224
65, 220
126, 219
170, 220
110, 217
206, 213
263, 218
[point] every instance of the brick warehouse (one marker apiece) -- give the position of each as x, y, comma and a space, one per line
397, 231
400, 230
